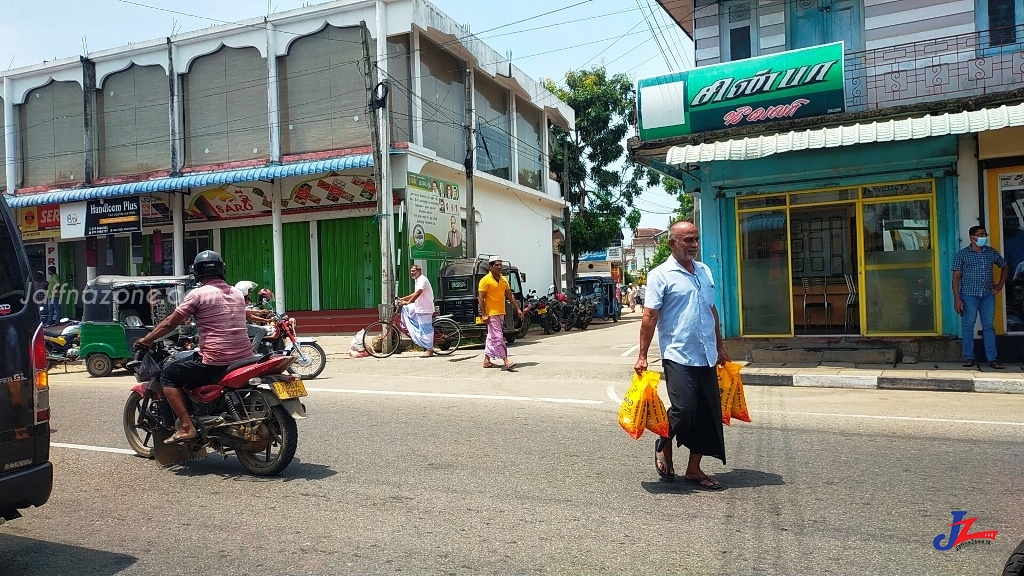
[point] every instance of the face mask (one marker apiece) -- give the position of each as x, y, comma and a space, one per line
983, 241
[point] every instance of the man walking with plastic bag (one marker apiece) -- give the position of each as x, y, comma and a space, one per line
679, 301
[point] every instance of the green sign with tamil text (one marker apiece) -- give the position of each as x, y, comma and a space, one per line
435, 220
785, 86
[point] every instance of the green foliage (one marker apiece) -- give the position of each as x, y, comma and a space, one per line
661, 254
601, 193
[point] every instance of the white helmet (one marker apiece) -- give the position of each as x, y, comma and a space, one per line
246, 286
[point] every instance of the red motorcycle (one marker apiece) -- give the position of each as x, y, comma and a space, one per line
251, 411
279, 336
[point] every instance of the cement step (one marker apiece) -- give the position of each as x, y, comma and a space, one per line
785, 355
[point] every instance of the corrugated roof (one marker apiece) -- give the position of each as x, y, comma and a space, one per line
862, 133
192, 181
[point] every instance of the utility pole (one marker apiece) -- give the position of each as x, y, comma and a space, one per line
570, 269
470, 165
380, 169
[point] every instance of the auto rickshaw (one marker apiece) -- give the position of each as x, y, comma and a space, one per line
602, 290
118, 310
457, 295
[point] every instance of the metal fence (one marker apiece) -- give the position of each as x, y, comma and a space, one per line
938, 69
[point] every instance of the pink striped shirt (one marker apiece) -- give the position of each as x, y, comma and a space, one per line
219, 310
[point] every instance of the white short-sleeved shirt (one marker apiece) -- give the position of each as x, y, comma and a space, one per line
424, 304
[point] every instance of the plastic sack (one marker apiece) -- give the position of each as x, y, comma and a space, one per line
730, 385
633, 411
148, 369
657, 416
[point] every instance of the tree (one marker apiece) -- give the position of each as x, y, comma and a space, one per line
683, 212
603, 181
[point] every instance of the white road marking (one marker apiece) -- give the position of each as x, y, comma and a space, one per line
615, 397
880, 417
630, 351
92, 448
453, 395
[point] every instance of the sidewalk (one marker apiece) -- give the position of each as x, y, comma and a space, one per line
942, 376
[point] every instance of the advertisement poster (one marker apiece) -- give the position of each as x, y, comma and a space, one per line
39, 222
789, 85
156, 209
231, 201
72, 220
113, 216
435, 221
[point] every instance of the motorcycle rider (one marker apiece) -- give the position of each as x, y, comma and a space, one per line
219, 310
253, 313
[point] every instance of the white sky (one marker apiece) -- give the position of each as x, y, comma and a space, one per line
32, 31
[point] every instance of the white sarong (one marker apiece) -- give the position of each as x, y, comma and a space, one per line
420, 326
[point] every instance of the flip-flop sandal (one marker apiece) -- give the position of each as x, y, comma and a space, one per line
509, 368
663, 467
177, 439
968, 364
996, 366
700, 483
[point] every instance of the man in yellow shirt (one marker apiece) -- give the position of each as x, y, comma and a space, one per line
494, 291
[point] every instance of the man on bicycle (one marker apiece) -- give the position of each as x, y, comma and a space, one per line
219, 310
418, 312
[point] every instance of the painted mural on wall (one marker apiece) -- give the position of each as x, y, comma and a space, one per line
435, 218
231, 201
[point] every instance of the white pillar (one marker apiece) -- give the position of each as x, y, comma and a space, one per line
417, 89
278, 232
178, 232
10, 134
314, 261
273, 100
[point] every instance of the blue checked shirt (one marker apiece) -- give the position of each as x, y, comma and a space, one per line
686, 326
976, 270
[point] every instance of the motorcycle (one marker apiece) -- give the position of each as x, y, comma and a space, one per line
62, 343
250, 411
587, 308
535, 310
279, 336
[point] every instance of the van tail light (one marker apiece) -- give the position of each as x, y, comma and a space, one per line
40, 378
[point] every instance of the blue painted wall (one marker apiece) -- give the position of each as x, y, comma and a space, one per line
721, 182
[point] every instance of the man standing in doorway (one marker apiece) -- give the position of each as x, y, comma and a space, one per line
974, 293
493, 292
52, 298
680, 301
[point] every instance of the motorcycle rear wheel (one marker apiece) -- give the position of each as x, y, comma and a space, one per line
447, 336
140, 439
317, 360
381, 339
545, 324
284, 435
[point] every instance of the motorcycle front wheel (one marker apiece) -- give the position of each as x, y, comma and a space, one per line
316, 360
284, 439
135, 427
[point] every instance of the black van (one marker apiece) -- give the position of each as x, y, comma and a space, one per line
26, 475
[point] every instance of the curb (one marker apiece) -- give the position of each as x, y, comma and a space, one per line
991, 385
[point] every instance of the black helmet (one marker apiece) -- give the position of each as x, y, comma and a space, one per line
208, 263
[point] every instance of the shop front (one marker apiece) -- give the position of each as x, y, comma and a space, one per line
857, 241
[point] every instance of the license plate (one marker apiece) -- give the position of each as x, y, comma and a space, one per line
542, 312
286, 390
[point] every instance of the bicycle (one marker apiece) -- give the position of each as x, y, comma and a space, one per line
383, 338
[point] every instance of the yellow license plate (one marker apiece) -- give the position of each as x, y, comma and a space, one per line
542, 312
286, 390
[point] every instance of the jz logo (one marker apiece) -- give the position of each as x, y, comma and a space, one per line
960, 533
5, 309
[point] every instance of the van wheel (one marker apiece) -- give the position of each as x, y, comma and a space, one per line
99, 365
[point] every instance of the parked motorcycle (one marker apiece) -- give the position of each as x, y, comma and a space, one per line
537, 311
251, 411
279, 336
587, 308
62, 342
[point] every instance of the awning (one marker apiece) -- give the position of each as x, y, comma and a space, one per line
191, 181
864, 133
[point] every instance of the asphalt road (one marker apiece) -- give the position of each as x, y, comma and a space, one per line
437, 466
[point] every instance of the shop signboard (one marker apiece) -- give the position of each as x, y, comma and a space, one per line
785, 86
72, 220
156, 209
599, 256
435, 221
114, 216
234, 201
39, 222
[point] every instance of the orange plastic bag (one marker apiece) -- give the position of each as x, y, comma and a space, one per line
730, 385
657, 416
633, 411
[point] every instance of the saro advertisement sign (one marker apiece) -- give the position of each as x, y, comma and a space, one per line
785, 86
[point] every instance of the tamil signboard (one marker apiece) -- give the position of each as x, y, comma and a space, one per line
435, 221
795, 84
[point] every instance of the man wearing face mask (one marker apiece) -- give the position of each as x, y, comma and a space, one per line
974, 293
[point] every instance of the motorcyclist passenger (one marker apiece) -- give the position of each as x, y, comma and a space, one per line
219, 310
253, 313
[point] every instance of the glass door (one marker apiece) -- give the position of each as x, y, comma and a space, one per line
766, 300
899, 265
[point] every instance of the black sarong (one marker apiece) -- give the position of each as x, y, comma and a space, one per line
695, 417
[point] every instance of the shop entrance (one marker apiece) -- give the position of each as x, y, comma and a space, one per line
858, 260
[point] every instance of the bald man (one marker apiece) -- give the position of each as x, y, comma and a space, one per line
680, 302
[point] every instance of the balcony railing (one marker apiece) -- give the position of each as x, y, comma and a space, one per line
940, 69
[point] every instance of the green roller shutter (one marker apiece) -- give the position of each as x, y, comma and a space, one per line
349, 264
249, 255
